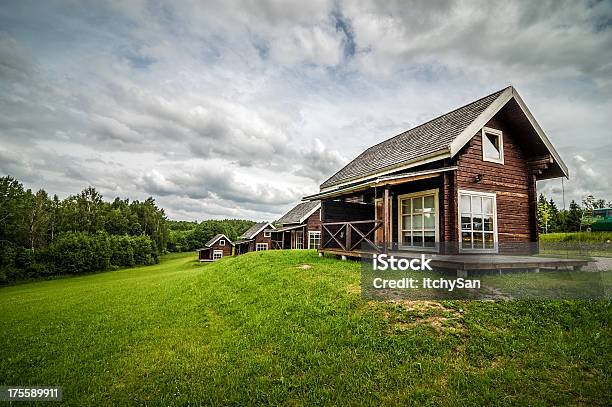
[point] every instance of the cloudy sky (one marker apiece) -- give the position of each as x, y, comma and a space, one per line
237, 109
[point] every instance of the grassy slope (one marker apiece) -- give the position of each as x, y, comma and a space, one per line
257, 329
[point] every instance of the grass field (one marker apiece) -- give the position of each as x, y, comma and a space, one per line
263, 328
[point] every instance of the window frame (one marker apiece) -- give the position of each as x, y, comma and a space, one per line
267, 233
481, 194
314, 233
400, 220
499, 134
217, 252
261, 244
221, 242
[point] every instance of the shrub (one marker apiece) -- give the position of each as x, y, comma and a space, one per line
143, 250
80, 252
587, 237
122, 251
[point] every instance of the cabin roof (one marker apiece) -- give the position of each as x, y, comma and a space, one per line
300, 212
217, 237
255, 229
441, 137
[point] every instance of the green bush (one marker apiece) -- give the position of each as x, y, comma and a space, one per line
122, 251
144, 252
80, 252
587, 237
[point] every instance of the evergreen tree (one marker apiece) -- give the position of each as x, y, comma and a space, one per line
574, 217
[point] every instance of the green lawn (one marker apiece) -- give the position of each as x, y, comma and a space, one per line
260, 329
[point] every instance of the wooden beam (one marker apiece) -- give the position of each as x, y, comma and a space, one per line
541, 160
386, 233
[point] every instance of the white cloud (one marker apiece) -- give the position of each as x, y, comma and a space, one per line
238, 109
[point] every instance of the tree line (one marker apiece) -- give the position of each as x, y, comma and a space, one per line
577, 218
42, 235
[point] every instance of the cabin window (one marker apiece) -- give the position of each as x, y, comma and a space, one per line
492, 145
478, 225
299, 240
221, 242
217, 254
267, 233
418, 219
261, 246
314, 240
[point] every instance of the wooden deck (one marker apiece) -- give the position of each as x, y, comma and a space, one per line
473, 262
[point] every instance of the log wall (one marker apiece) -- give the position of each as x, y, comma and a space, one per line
510, 181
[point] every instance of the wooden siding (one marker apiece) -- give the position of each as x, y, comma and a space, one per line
313, 223
227, 249
259, 238
510, 181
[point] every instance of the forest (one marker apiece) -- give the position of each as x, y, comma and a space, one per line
43, 236
577, 218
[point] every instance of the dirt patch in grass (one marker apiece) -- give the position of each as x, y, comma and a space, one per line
304, 267
405, 315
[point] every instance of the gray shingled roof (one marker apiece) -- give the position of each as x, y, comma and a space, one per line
214, 239
250, 232
296, 214
434, 135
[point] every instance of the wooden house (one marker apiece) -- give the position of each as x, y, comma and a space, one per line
464, 182
300, 227
217, 247
258, 237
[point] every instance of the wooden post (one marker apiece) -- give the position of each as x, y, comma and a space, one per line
386, 232
349, 244
533, 208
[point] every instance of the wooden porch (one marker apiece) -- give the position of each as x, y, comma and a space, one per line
475, 262
358, 240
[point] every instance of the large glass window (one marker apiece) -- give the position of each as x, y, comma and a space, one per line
477, 221
418, 219
314, 240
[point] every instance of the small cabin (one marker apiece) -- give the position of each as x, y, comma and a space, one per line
464, 182
216, 248
300, 227
256, 238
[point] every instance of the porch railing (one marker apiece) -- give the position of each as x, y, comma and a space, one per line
350, 236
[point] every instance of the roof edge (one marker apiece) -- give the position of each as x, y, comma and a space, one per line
313, 210
262, 228
219, 237
426, 159
508, 94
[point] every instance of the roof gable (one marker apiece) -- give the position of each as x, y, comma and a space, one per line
255, 229
300, 212
217, 237
439, 138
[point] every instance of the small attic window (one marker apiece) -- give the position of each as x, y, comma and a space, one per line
492, 145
